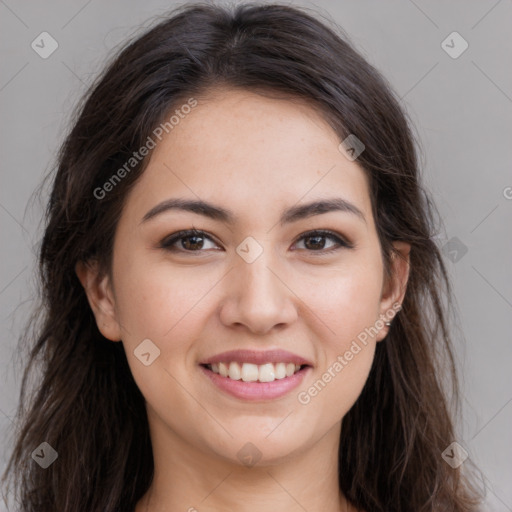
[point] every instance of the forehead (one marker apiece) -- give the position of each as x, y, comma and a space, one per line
242, 149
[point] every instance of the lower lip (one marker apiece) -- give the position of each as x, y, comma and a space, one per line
256, 390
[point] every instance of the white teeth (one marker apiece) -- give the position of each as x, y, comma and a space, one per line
223, 369
249, 372
235, 371
267, 373
280, 370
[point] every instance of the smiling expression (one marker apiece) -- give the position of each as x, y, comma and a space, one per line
284, 256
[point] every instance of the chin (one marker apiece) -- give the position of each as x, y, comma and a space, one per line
256, 447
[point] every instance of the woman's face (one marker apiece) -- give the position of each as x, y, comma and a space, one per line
249, 281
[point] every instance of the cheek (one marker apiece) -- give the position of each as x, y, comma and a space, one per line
345, 349
156, 301
165, 306
346, 300
348, 306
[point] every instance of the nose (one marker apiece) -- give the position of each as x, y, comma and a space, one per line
258, 297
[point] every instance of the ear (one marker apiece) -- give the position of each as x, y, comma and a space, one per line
101, 298
393, 290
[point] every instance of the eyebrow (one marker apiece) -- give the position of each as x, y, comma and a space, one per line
218, 213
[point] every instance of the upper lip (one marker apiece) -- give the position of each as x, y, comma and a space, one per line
257, 357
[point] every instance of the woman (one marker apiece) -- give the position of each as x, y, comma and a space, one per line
242, 301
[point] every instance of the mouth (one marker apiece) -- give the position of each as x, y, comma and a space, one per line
249, 372
255, 375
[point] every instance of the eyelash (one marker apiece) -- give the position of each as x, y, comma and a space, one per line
167, 243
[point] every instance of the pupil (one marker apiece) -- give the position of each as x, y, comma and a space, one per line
316, 237
193, 244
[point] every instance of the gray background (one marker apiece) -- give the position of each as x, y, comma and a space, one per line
461, 108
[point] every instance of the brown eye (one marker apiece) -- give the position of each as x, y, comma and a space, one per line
193, 240
189, 241
315, 241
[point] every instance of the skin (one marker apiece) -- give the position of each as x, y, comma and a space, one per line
255, 156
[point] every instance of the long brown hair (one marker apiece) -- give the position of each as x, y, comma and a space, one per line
86, 404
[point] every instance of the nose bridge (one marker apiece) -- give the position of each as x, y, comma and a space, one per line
257, 278
257, 281
257, 297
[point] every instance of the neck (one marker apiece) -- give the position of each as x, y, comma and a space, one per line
189, 479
